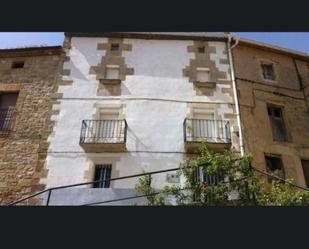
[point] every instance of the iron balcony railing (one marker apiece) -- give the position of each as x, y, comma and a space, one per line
6, 119
213, 131
103, 131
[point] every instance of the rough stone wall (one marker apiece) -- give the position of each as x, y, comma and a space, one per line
23, 150
255, 93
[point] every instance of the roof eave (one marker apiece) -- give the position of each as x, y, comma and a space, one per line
145, 35
274, 49
31, 51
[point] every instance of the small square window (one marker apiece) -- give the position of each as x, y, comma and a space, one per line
201, 50
112, 72
268, 71
202, 75
114, 47
18, 64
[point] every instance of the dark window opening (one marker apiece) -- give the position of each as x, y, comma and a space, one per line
18, 64
210, 180
305, 164
268, 71
102, 173
7, 108
115, 47
201, 50
277, 123
274, 165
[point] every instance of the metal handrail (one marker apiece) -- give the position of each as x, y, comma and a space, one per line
212, 130
224, 182
92, 182
49, 190
103, 131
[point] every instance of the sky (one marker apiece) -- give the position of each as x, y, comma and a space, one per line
293, 40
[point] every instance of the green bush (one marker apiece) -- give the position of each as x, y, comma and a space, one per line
233, 175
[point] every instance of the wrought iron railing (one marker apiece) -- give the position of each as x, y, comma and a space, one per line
103, 131
6, 119
213, 131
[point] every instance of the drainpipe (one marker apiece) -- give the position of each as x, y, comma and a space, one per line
241, 142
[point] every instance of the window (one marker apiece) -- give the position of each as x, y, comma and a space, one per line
108, 127
211, 180
102, 172
108, 114
268, 71
18, 64
201, 50
305, 164
7, 107
274, 166
112, 72
202, 74
204, 125
207, 181
114, 47
277, 123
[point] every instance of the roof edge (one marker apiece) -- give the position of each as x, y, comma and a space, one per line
31, 51
272, 48
150, 35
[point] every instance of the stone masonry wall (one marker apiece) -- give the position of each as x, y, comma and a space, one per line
254, 95
23, 150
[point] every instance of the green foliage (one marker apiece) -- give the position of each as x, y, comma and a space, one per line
233, 177
144, 188
284, 194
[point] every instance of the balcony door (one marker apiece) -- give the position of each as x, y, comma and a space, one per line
7, 107
204, 126
108, 128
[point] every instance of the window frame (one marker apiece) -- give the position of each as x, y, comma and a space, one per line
8, 115
108, 171
270, 117
277, 156
112, 67
268, 62
203, 70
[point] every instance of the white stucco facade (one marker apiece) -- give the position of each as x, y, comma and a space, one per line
155, 103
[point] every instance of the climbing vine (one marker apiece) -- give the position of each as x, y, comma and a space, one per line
223, 179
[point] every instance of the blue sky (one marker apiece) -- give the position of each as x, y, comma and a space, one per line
292, 40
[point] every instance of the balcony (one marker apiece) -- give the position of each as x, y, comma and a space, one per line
103, 135
6, 119
216, 133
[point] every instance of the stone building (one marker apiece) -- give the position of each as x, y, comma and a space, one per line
273, 92
110, 105
129, 102
28, 81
